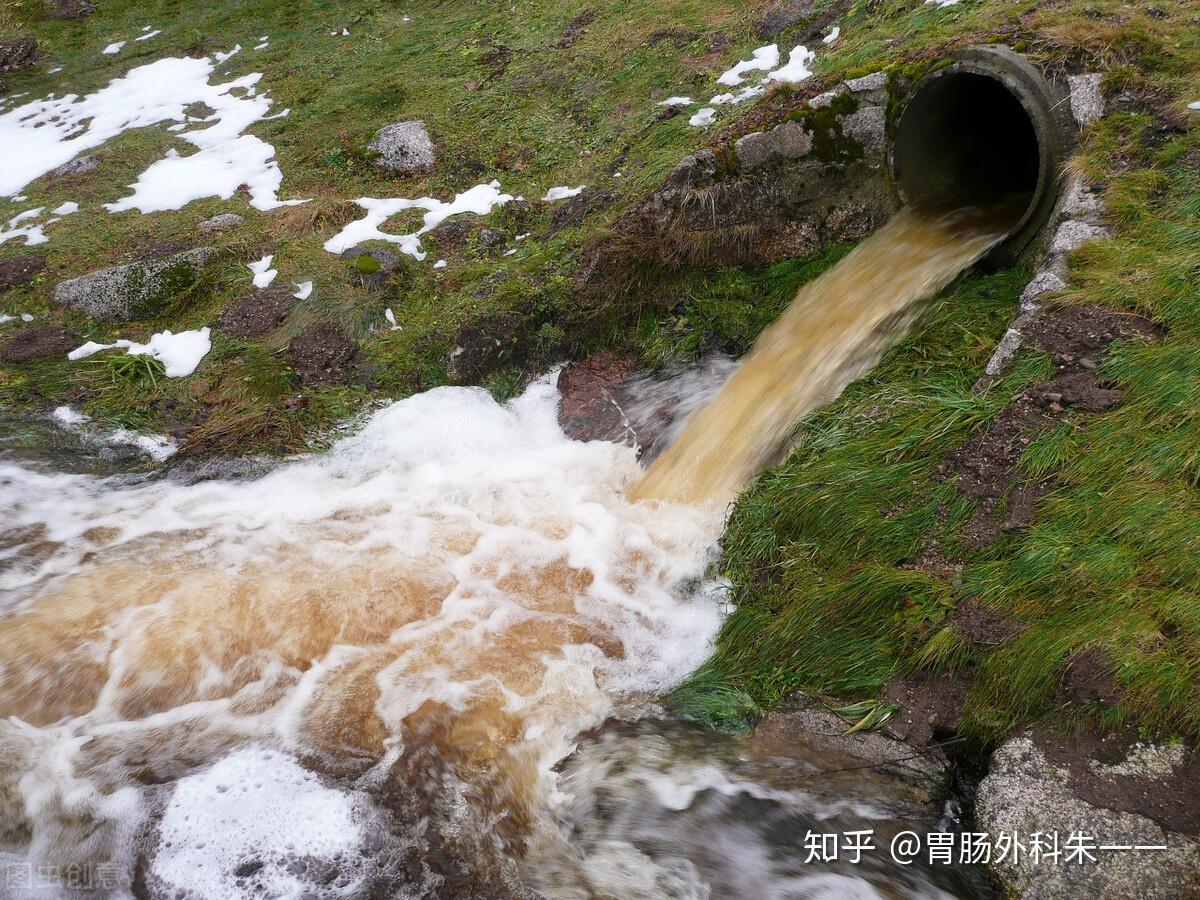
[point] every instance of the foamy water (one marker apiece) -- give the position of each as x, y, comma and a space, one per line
835, 330
427, 615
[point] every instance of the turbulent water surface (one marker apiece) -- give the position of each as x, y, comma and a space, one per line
386, 670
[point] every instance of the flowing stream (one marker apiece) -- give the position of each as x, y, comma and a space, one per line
425, 662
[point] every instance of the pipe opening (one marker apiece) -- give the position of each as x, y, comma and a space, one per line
966, 140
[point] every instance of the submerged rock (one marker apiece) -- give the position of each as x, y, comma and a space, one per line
589, 410
36, 343
1026, 791
403, 147
18, 270
137, 290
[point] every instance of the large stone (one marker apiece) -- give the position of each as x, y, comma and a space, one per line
403, 147
866, 125
1087, 98
135, 291
77, 166
222, 222
787, 141
1025, 793
1073, 234
876, 81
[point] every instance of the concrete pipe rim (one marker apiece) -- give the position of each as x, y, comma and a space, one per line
1043, 106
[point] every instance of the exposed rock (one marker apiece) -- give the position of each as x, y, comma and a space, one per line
1025, 792
782, 17
577, 208
373, 265
222, 222
258, 314
403, 147
866, 125
876, 81
19, 53
801, 720
851, 222
323, 354
589, 410
34, 343
70, 9
18, 270
134, 291
823, 100
77, 166
787, 141
1073, 234
491, 239
696, 170
1087, 98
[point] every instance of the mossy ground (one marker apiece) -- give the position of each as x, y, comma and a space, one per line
815, 550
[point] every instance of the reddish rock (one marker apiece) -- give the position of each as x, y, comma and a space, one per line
589, 409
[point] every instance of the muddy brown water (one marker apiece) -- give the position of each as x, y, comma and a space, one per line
387, 670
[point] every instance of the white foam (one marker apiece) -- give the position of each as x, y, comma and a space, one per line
256, 804
114, 48
479, 200
303, 290
44, 134
263, 273
762, 59
562, 192
796, 69
179, 353
67, 416
702, 117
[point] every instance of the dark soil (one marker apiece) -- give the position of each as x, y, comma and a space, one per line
35, 343
485, 345
930, 707
678, 36
1172, 801
18, 270
986, 467
589, 411
70, 9
575, 29
983, 625
258, 314
373, 277
165, 247
781, 17
19, 53
324, 354
1089, 677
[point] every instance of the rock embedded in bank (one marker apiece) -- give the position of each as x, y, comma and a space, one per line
78, 166
1029, 790
791, 140
403, 147
222, 222
137, 290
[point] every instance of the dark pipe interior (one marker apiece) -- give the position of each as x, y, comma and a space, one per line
965, 140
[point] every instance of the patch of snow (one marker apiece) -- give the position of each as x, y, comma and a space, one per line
703, 117
219, 57
834, 33
763, 59
262, 46
263, 273
56, 70
1194, 105
510, 252
180, 353
303, 290
479, 200
149, 34
676, 101
24, 317
747, 93
942, 3
519, 237
391, 317
113, 48
66, 209
440, 264
796, 69
33, 234
562, 193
